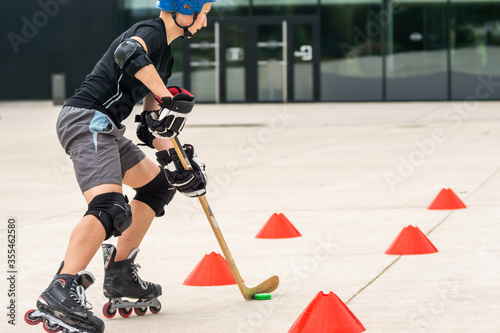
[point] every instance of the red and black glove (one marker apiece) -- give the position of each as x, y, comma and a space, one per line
169, 121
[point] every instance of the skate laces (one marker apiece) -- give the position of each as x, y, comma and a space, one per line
135, 272
77, 292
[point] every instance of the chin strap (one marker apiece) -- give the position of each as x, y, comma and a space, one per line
187, 33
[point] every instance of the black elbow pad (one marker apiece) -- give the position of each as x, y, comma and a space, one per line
131, 56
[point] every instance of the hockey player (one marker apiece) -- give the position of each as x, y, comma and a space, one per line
136, 67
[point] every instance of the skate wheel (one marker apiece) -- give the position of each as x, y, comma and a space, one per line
107, 312
51, 328
140, 311
124, 312
155, 309
32, 320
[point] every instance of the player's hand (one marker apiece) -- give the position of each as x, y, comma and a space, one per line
191, 183
170, 119
143, 132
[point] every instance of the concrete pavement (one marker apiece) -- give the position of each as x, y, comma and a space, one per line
349, 176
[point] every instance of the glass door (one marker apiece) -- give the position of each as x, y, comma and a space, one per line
258, 59
204, 65
272, 63
304, 62
233, 71
270, 59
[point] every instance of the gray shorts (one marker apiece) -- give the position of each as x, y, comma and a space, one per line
97, 147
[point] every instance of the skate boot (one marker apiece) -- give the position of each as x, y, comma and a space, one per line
121, 280
63, 306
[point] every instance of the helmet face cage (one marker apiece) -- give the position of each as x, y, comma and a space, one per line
186, 7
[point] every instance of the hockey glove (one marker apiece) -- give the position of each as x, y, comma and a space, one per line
169, 121
143, 132
191, 183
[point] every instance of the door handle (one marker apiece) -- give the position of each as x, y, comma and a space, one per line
305, 52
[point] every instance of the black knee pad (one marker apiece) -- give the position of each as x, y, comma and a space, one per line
156, 194
113, 211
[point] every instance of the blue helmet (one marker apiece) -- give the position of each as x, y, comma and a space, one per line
186, 7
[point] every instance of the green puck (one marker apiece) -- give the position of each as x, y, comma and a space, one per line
262, 297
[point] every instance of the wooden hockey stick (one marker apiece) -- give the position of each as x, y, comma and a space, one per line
265, 287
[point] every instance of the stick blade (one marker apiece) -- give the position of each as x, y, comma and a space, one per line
267, 286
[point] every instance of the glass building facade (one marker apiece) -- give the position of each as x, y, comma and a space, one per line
345, 50
284, 50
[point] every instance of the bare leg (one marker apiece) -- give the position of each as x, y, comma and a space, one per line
142, 215
87, 236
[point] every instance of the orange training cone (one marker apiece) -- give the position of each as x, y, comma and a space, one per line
411, 241
447, 199
327, 313
278, 226
212, 270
